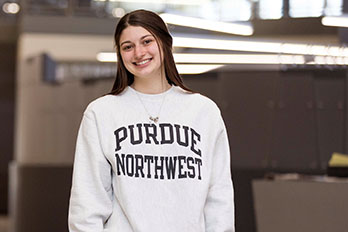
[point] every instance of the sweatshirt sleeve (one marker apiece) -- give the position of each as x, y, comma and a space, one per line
219, 206
91, 192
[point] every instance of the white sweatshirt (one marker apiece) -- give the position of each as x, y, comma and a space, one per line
133, 175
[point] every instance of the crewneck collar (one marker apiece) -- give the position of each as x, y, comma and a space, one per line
149, 96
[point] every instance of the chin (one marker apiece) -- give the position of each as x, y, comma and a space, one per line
143, 76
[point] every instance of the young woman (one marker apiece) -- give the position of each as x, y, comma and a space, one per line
151, 155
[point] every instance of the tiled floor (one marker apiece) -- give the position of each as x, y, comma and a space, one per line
3, 223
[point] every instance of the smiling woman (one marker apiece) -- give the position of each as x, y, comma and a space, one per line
141, 32
143, 57
152, 155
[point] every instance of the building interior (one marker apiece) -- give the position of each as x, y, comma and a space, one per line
277, 69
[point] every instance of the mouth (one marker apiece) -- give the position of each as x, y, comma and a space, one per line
142, 62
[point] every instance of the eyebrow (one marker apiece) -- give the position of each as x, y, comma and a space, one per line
143, 37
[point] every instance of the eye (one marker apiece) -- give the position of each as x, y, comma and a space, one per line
147, 41
127, 47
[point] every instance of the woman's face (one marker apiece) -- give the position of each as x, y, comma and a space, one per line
140, 52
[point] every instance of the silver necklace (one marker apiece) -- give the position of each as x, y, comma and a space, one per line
152, 118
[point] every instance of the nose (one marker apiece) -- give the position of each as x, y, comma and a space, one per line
139, 52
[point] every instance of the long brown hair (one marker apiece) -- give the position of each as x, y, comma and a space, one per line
155, 25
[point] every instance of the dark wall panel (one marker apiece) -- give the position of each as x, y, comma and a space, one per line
346, 113
248, 100
7, 107
206, 84
294, 137
42, 199
330, 106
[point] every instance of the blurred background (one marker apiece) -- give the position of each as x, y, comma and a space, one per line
276, 68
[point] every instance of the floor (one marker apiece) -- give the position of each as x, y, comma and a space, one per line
3, 223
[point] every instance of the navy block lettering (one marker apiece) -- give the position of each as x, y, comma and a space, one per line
181, 160
151, 134
166, 140
140, 134
195, 135
119, 137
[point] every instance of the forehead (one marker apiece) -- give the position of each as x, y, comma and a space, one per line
133, 33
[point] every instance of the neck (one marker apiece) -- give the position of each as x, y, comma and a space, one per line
150, 86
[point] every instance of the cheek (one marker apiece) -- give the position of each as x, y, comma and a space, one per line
125, 58
156, 50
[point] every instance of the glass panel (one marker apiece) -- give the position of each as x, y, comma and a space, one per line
270, 9
235, 10
334, 7
308, 8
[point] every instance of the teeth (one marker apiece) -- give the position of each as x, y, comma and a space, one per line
143, 62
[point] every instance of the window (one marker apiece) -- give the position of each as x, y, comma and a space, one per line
270, 9
308, 8
333, 7
235, 10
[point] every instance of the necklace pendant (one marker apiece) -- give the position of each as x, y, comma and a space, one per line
155, 120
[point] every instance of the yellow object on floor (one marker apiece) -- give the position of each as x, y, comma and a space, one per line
338, 160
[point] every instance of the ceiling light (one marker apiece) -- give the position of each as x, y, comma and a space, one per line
118, 12
329, 60
107, 57
196, 68
230, 28
238, 58
11, 8
256, 46
335, 21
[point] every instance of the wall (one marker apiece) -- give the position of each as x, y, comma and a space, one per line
49, 115
7, 107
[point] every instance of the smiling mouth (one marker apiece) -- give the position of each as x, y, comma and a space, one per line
143, 62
